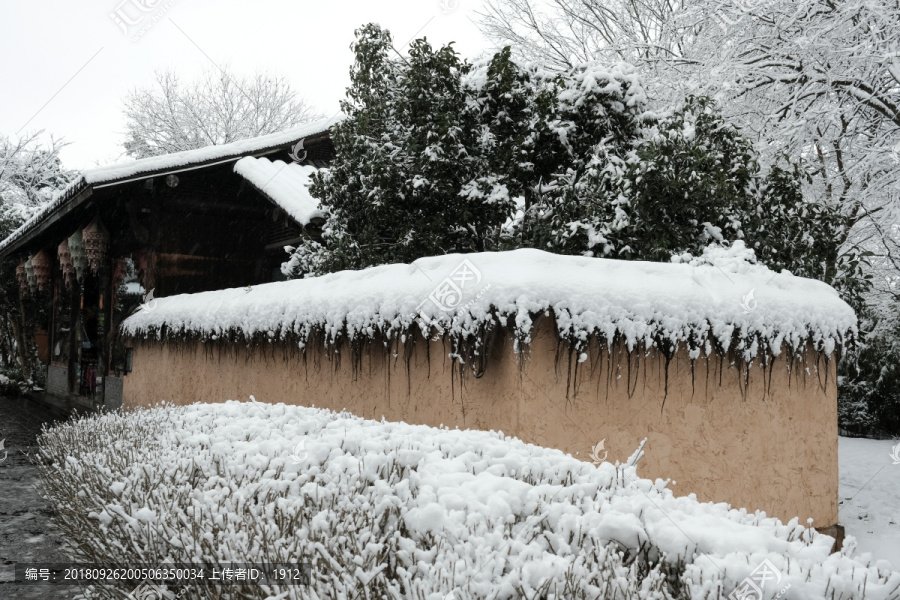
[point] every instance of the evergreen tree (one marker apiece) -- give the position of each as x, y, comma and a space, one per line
438, 155
393, 194
870, 380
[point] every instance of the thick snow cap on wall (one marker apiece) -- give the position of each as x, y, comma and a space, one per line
734, 305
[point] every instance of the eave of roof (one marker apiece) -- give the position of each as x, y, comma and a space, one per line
82, 188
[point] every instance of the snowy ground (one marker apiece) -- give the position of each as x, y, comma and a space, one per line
870, 496
27, 530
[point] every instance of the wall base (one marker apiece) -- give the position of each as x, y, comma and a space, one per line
835, 531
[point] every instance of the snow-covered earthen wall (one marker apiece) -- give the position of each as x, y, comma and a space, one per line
755, 438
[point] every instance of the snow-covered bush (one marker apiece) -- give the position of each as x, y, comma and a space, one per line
9, 387
736, 258
12, 385
389, 510
870, 380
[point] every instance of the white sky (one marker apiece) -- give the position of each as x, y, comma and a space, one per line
50, 81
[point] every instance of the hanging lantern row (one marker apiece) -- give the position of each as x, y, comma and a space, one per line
40, 264
85, 248
65, 263
34, 274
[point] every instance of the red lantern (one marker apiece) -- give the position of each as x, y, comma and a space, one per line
65, 263
22, 276
76, 249
96, 243
29, 274
40, 262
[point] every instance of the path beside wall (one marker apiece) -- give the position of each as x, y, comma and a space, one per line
769, 445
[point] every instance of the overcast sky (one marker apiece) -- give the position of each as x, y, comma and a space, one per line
67, 65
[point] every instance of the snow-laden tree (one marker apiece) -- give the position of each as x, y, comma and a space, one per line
438, 155
565, 33
811, 79
30, 172
392, 191
821, 80
818, 80
689, 180
815, 80
219, 107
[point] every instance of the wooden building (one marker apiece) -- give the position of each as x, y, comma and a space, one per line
185, 222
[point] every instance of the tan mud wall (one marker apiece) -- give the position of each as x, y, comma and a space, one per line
771, 446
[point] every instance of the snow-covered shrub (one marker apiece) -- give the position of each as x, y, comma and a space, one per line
869, 386
389, 510
736, 258
12, 385
9, 386
305, 259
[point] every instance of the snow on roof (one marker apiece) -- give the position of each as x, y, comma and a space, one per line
168, 162
287, 185
749, 309
209, 153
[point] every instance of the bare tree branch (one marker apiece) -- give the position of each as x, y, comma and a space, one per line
218, 108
